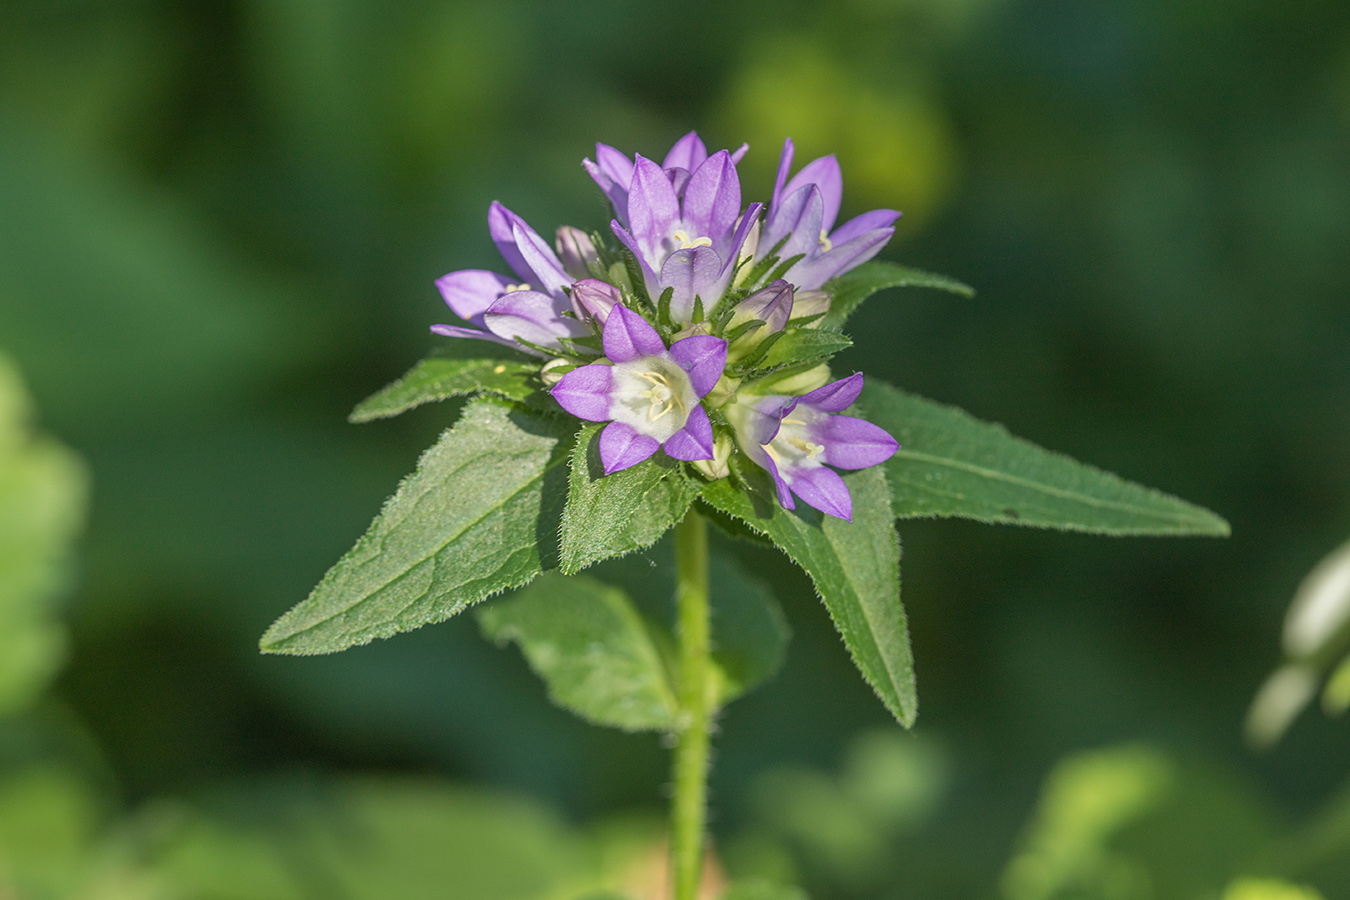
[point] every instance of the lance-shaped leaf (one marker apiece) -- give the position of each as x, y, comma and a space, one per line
853, 287
599, 657
461, 368
804, 345
610, 515
855, 568
479, 516
952, 464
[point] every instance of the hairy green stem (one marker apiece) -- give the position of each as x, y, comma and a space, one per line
689, 806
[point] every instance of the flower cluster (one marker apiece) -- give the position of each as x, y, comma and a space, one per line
695, 332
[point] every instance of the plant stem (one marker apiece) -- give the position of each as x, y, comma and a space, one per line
689, 806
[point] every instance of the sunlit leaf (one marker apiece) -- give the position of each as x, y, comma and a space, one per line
479, 516
802, 345
609, 515
852, 288
855, 568
461, 368
952, 464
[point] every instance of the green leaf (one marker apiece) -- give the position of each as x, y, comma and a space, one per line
479, 516
805, 345
610, 515
43, 489
599, 657
763, 890
951, 464
750, 633
462, 367
855, 568
853, 287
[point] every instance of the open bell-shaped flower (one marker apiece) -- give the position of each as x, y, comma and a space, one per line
797, 439
650, 395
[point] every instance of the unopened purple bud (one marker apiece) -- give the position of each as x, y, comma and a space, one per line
576, 251
772, 306
592, 299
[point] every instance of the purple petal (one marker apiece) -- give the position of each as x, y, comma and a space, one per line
853, 443
694, 440
739, 153
784, 166
868, 221
780, 486
835, 396
703, 357
469, 292
679, 180
823, 173
592, 299
531, 316
613, 172
822, 488
500, 222
628, 336
797, 219
812, 273
688, 153
455, 331
767, 419
652, 207
771, 305
539, 256
712, 201
648, 273
737, 242
584, 392
691, 273
622, 446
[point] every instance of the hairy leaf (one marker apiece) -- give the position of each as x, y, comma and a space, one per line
853, 287
609, 515
855, 568
951, 464
801, 345
479, 516
460, 368
598, 655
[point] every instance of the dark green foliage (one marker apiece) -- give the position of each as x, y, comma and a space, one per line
460, 368
852, 288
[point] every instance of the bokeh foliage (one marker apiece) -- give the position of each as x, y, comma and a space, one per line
219, 225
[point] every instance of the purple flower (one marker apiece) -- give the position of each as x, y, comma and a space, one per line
804, 209
650, 395
795, 438
771, 305
529, 309
613, 171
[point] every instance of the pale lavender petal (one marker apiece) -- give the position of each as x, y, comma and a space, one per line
622, 446
780, 486
703, 357
615, 164
798, 220
690, 273
539, 256
835, 396
653, 208
592, 299
628, 336
767, 419
694, 440
719, 287
531, 316
853, 443
784, 166
652, 282
822, 488
823, 173
772, 305
500, 222
679, 180
615, 193
812, 273
739, 153
584, 392
469, 292
712, 201
868, 221
688, 153
455, 331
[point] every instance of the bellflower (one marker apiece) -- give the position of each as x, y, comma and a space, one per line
649, 395
803, 211
795, 438
530, 308
613, 171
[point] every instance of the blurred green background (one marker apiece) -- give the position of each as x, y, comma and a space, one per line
220, 222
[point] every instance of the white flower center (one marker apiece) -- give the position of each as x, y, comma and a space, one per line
793, 445
652, 394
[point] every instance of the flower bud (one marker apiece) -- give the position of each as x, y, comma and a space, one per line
810, 303
592, 300
576, 251
722, 392
772, 306
798, 384
716, 467
554, 370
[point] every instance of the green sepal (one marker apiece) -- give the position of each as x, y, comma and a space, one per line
849, 290
952, 464
610, 515
781, 269
804, 345
855, 567
463, 367
477, 517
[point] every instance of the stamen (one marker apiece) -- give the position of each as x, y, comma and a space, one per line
663, 398
682, 238
512, 288
825, 242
